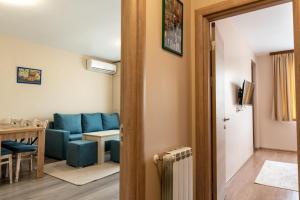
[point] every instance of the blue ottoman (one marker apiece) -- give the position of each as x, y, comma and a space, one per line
81, 153
115, 150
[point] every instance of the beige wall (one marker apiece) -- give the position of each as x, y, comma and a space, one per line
116, 106
272, 134
167, 94
239, 129
67, 86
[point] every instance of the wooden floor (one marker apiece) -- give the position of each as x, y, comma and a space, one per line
50, 188
242, 187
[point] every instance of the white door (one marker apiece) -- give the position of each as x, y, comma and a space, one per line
218, 107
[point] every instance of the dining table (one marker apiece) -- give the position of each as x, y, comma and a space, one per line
17, 132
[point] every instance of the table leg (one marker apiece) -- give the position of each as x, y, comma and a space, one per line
101, 151
41, 154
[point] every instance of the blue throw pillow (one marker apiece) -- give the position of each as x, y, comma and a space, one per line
92, 122
111, 121
70, 123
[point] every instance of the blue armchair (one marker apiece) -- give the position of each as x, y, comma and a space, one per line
64, 129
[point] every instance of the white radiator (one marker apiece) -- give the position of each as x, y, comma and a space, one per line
177, 174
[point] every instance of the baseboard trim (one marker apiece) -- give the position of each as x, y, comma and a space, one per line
231, 178
273, 149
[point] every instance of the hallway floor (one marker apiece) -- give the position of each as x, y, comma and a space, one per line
242, 187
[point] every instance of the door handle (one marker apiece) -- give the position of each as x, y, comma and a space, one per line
226, 119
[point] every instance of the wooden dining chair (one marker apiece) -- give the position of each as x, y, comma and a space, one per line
25, 150
6, 159
30, 150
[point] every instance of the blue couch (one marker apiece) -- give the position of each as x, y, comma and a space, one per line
66, 128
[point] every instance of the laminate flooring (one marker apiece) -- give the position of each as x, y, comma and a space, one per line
50, 188
242, 187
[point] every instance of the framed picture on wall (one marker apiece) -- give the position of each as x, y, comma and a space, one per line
172, 26
29, 75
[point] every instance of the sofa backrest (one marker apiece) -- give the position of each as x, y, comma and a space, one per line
91, 122
111, 121
86, 122
66, 122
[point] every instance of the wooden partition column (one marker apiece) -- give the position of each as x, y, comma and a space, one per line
132, 174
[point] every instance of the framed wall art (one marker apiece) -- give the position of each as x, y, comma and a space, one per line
29, 75
172, 26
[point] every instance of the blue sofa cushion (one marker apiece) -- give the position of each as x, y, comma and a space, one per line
92, 122
70, 123
18, 147
74, 137
111, 121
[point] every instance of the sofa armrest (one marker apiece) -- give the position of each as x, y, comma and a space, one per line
56, 143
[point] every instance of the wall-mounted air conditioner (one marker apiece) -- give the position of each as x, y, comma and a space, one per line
100, 66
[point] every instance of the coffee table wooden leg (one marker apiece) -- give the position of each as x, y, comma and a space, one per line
41, 153
101, 151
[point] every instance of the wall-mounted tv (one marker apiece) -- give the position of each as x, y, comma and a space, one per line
245, 96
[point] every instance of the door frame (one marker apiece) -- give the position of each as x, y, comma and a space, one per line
204, 116
254, 105
132, 165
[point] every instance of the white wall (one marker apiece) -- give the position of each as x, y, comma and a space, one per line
117, 90
239, 130
271, 134
67, 87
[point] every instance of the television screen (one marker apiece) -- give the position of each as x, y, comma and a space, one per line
246, 93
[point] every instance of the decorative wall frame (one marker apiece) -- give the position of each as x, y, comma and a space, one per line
172, 26
29, 76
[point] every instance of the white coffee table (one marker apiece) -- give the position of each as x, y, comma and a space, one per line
101, 137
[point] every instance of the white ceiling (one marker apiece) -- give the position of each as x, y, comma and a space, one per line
267, 30
90, 27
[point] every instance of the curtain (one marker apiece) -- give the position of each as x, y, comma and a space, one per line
284, 87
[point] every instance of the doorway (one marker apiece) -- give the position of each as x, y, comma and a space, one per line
206, 130
245, 38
